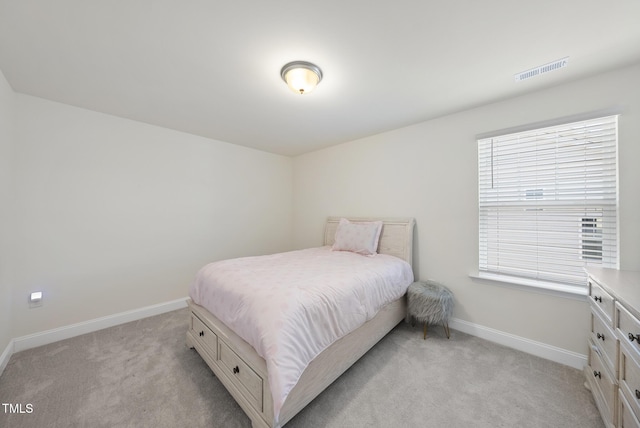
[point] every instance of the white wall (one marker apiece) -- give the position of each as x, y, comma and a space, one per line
6, 144
429, 171
114, 215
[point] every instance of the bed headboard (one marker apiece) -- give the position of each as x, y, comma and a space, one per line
396, 238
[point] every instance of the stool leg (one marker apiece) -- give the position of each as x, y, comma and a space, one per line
424, 332
446, 329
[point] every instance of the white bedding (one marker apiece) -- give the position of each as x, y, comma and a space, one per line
291, 306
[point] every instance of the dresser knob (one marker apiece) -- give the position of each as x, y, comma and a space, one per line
632, 337
597, 299
597, 374
236, 369
201, 333
600, 336
637, 394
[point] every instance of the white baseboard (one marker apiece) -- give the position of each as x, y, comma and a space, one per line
61, 333
539, 349
5, 356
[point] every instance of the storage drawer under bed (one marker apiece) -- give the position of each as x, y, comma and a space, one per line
205, 336
248, 381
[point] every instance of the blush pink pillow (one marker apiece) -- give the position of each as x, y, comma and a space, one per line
357, 237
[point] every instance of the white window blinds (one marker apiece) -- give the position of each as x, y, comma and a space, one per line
548, 201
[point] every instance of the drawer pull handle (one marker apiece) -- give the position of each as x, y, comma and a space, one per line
597, 299
236, 370
201, 333
597, 374
637, 394
632, 337
600, 336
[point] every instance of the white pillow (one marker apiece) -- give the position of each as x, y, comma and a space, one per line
357, 237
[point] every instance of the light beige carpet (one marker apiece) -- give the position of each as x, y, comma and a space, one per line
141, 374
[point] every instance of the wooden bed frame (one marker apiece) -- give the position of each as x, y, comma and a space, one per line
244, 373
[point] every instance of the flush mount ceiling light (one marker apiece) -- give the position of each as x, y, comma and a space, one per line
301, 76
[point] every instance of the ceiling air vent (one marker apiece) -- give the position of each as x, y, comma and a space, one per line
552, 66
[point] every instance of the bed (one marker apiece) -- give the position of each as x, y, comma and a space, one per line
245, 373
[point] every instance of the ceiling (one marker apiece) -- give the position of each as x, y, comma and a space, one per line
212, 67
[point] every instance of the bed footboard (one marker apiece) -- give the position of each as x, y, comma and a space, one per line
240, 369
243, 372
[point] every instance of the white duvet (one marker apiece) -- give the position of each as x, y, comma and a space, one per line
291, 306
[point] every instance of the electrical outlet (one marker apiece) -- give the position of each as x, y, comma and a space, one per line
35, 299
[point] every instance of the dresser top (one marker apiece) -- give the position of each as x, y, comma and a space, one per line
623, 285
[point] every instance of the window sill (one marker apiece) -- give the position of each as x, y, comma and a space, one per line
543, 287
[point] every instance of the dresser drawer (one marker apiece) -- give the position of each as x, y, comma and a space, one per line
605, 339
248, 382
606, 386
205, 336
630, 377
601, 300
626, 416
628, 327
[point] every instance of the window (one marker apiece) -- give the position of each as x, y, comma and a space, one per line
548, 202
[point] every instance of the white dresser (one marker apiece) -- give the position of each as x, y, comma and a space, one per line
613, 369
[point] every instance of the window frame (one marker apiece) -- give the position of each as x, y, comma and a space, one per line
588, 228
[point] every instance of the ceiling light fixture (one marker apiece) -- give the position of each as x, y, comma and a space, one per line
301, 76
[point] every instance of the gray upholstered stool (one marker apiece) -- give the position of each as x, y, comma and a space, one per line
429, 303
